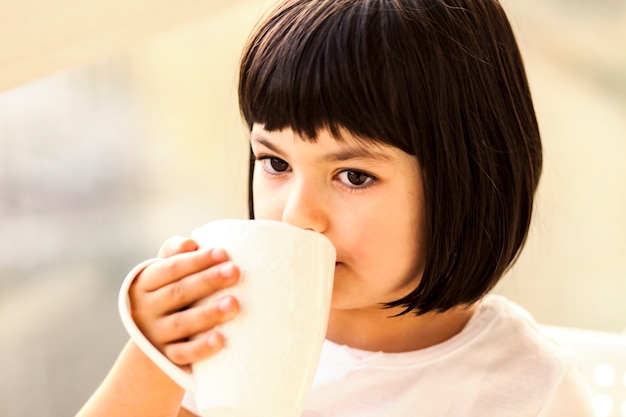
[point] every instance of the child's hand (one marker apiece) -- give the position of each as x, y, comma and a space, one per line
162, 299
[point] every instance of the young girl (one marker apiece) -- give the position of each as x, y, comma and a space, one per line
404, 131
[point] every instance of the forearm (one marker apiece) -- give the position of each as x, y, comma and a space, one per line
135, 386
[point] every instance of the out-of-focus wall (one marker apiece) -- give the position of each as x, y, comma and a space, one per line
573, 270
98, 165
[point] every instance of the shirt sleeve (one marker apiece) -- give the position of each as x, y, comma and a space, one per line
571, 397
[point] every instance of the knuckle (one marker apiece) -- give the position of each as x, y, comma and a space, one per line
177, 291
179, 323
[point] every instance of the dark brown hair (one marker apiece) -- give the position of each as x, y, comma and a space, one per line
440, 79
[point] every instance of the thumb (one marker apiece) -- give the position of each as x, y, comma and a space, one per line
175, 245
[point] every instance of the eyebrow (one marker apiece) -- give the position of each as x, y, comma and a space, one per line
350, 153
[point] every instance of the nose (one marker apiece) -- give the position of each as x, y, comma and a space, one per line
306, 207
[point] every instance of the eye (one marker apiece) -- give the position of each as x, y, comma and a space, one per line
274, 165
355, 179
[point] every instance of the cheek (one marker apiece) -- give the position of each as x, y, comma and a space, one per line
267, 209
368, 242
267, 203
393, 248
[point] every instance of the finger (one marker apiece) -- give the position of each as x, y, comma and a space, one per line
188, 352
194, 287
196, 320
175, 245
176, 267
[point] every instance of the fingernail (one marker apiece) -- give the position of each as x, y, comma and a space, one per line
213, 339
227, 270
225, 305
219, 254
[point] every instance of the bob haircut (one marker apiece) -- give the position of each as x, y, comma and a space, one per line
442, 80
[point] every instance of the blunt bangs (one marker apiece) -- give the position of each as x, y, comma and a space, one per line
322, 65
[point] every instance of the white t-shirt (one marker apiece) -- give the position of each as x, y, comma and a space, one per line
499, 365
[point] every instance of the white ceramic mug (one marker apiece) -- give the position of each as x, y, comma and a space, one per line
273, 344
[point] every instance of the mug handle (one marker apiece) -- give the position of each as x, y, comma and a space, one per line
179, 376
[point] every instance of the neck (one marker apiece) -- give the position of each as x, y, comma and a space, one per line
378, 330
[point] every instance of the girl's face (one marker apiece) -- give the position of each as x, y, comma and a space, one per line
367, 198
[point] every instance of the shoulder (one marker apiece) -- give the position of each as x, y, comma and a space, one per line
498, 319
570, 397
519, 355
505, 330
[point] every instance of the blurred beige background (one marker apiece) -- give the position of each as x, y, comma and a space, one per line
117, 135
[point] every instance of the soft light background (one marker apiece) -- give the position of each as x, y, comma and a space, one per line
113, 138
